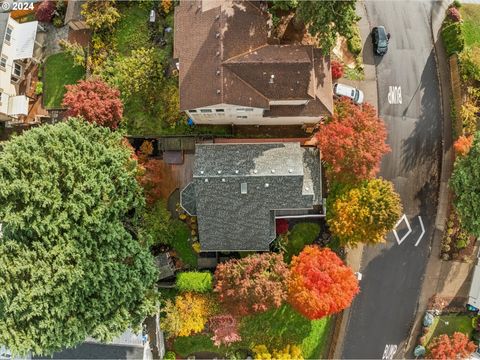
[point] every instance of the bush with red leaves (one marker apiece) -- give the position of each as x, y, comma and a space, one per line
337, 70
282, 226
454, 14
45, 11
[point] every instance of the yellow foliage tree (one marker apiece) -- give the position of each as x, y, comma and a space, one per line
364, 213
187, 315
289, 352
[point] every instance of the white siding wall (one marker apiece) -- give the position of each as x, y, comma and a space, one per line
239, 115
8, 88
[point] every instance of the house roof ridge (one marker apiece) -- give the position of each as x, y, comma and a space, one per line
246, 83
231, 60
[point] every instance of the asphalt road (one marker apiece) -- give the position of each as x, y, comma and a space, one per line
383, 313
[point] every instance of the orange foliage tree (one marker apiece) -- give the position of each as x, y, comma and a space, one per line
458, 346
352, 142
320, 283
151, 180
463, 144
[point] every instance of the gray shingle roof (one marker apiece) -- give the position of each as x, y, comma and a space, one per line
277, 176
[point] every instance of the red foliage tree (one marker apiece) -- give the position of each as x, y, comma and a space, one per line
252, 284
463, 144
95, 101
45, 10
353, 142
320, 283
282, 226
225, 329
456, 347
337, 70
151, 179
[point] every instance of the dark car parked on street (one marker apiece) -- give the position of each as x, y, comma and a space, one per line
380, 40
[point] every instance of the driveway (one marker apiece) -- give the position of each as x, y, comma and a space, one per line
409, 101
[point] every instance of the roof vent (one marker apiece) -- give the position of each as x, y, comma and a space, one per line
306, 188
223, 179
243, 188
218, 91
273, 171
217, 72
290, 171
217, 17
217, 53
219, 171
217, 35
236, 171
272, 77
201, 172
206, 180
255, 171
267, 185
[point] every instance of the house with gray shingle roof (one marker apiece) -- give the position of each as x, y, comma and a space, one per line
231, 72
238, 191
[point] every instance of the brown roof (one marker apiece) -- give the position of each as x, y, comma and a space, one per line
74, 11
224, 57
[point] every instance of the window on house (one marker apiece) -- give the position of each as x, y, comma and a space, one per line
242, 117
192, 111
244, 109
219, 110
3, 62
8, 34
205, 110
17, 69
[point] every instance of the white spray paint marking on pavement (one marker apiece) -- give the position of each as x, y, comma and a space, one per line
389, 351
423, 231
403, 218
394, 95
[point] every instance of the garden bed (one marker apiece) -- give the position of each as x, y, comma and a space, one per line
449, 324
457, 244
59, 70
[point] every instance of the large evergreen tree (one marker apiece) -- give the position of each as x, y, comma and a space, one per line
70, 263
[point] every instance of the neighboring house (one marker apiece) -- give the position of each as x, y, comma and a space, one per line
127, 346
238, 191
73, 16
229, 73
18, 55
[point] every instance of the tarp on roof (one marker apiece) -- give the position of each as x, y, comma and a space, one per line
24, 39
17, 105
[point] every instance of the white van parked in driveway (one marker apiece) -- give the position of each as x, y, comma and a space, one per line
344, 90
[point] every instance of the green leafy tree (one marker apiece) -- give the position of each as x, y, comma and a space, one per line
100, 15
465, 183
327, 18
157, 225
70, 263
364, 213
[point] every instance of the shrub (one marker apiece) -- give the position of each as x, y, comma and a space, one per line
454, 14
337, 70
170, 355
462, 145
196, 281
354, 42
456, 3
282, 226
224, 329
45, 11
302, 234
39, 88
452, 37
461, 244
470, 63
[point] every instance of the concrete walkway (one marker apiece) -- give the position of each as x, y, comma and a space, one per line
442, 278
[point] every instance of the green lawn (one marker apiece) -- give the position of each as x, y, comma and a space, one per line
471, 23
456, 323
59, 71
302, 234
274, 328
181, 244
131, 32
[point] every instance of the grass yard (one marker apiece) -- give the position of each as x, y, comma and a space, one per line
471, 23
456, 323
131, 32
181, 244
59, 70
274, 328
302, 234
